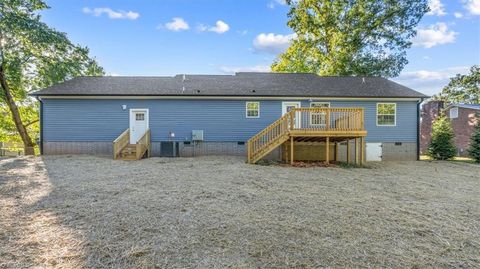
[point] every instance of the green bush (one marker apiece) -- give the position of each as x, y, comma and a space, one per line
442, 146
474, 150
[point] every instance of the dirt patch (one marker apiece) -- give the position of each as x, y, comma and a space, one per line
216, 212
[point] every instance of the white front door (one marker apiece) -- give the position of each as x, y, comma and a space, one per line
288, 106
138, 124
374, 151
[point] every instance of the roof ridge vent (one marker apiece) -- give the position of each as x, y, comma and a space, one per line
183, 83
363, 80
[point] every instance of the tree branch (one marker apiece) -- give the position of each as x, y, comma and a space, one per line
30, 123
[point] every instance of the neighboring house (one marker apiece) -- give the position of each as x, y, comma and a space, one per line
218, 114
464, 117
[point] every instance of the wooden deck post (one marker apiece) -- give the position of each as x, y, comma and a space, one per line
348, 150
291, 150
356, 150
362, 150
336, 152
327, 150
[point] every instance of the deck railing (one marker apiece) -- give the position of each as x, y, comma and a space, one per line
121, 142
318, 121
143, 145
328, 119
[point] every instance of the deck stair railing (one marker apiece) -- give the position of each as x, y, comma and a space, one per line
143, 145
120, 143
122, 149
311, 121
272, 136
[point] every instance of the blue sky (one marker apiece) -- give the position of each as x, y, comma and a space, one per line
168, 37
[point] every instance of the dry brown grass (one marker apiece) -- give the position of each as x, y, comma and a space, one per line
217, 212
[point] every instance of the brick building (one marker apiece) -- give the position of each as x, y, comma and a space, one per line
464, 117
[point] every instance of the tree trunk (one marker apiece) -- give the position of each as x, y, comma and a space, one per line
22, 131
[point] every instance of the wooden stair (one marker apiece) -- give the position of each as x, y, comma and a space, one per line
129, 152
269, 138
123, 150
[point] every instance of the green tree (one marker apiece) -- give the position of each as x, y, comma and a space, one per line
345, 37
474, 150
33, 56
462, 88
442, 146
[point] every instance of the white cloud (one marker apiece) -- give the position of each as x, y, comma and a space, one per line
430, 82
272, 43
436, 8
177, 24
255, 68
275, 3
473, 6
458, 15
219, 28
113, 74
434, 35
120, 14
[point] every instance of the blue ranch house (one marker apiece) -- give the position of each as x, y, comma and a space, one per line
257, 115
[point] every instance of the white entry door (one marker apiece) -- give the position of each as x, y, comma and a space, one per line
374, 152
138, 124
288, 106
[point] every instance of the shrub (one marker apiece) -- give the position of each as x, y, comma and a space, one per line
442, 146
474, 150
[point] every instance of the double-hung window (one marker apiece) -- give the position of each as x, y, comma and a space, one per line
453, 112
386, 114
252, 109
318, 119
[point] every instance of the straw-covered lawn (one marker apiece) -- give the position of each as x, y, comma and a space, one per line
217, 212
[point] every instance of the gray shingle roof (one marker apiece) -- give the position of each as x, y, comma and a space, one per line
240, 84
469, 106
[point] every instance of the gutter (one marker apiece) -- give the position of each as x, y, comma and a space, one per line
418, 128
40, 145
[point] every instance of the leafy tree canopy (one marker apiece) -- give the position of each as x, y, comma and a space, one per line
350, 37
33, 56
462, 88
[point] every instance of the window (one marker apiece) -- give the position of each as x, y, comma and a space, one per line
140, 116
253, 109
386, 114
318, 119
453, 112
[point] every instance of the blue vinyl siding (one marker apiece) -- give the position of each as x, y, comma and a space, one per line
221, 120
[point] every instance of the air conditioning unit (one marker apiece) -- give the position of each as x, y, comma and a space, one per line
169, 149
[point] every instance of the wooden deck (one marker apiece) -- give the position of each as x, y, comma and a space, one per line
317, 126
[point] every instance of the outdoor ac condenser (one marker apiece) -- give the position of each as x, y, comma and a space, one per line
169, 149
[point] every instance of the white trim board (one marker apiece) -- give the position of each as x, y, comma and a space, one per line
286, 98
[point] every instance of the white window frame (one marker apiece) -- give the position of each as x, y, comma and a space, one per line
313, 114
451, 115
394, 119
246, 110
